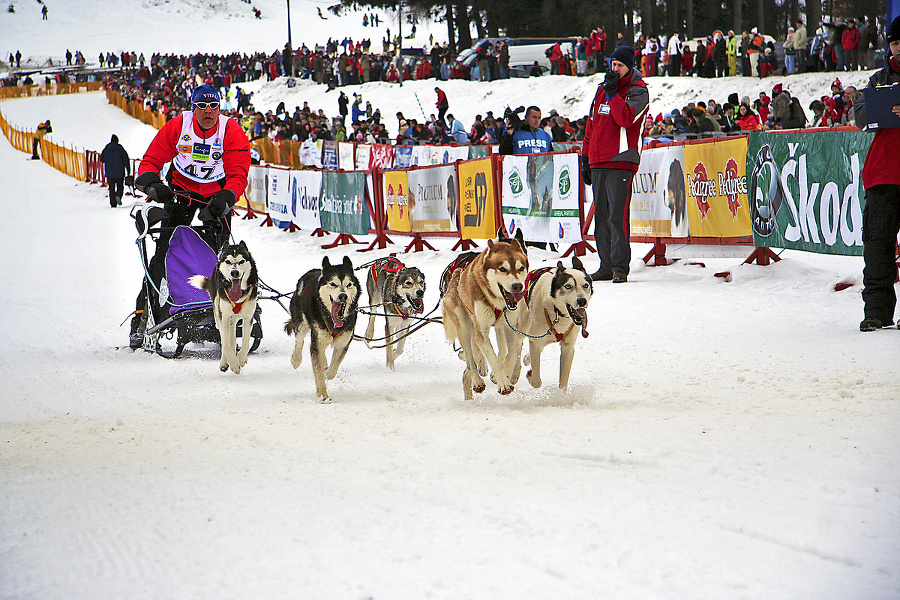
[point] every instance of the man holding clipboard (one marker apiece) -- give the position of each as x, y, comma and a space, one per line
881, 180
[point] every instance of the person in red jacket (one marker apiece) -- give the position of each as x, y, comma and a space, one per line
610, 156
881, 216
849, 44
210, 157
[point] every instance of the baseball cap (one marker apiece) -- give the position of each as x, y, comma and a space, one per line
205, 93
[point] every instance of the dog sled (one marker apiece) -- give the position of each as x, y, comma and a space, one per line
176, 314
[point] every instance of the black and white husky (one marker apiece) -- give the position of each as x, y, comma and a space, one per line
557, 300
233, 289
324, 304
399, 290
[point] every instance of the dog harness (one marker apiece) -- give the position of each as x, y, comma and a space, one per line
390, 264
530, 281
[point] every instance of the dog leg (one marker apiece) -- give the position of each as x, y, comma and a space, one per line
472, 380
534, 373
567, 353
217, 317
396, 326
389, 347
300, 339
317, 359
340, 346
249, 311
370, 329
512, 364
501, 378
234, 360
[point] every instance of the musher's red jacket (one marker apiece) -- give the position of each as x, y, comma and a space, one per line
235, 157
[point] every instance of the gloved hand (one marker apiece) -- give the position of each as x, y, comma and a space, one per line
160, 192
610, 83
585, 170
150, 183
219, 205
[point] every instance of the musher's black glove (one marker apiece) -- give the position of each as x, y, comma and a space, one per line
150, 183
219, 205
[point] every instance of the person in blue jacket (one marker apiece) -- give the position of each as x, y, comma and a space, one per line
525, 136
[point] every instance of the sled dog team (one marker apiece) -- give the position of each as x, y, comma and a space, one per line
479, 291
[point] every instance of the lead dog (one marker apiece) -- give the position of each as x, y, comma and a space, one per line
557, 300
233, 290
399, 290
480, 295
324, 304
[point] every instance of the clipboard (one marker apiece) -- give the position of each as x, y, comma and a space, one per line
880, 102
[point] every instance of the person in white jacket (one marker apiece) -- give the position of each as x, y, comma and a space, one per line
674, 51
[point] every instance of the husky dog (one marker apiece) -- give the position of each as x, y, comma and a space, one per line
324, 304
233, 291
400, 291
557, 300
480, 295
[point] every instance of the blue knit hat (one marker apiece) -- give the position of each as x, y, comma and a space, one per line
205, 93
625, 55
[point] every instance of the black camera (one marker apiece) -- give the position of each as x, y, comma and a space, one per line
512, 117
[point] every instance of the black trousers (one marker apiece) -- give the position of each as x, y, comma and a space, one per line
612, 225
116, 190
35, 144
881, 222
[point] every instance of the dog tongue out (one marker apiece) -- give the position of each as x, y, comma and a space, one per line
583, 314
235, 292
336, 308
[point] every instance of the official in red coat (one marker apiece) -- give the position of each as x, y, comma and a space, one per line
610, 157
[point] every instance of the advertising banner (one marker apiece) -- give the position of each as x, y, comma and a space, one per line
476, 200
402, 157
421, 156
257, 187
445, 155
311, 153
539, 195
432, 199
330, 155
478, 151
280, 197
342, 203
305, 188
396, 202
346, 156
659, 194
806, 191
382, 157
363, 157
716, 179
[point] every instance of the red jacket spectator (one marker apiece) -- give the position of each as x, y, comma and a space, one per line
851, 37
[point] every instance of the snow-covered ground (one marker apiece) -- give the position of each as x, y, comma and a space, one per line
719, 439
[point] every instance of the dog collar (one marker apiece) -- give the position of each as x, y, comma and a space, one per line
238, 306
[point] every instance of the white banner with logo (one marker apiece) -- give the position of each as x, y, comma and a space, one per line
346, 156
658, 194
279, 197
539, 195
305, 188
433, 200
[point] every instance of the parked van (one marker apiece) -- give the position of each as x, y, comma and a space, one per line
522, 51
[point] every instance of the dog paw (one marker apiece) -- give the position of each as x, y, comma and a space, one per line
483, 368
479, 387
325, 400
535, 382
527, 360
236, 369
505, 391
223, 367
295, 362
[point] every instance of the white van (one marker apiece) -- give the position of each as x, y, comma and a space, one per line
522, 52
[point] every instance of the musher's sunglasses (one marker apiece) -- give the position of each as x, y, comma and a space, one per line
205, 105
